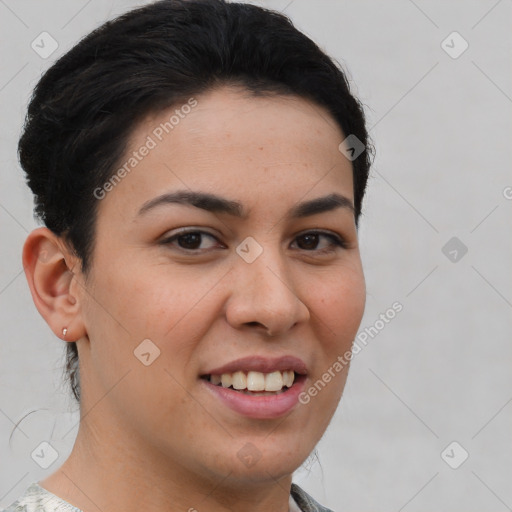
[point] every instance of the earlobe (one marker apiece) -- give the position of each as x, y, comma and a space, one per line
50, 271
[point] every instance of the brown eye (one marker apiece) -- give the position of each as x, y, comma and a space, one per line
191, 241
311, 241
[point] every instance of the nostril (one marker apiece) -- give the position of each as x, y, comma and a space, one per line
256, 324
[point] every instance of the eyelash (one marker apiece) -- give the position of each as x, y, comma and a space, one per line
336, 241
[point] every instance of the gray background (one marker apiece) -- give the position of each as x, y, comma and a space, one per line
440, 371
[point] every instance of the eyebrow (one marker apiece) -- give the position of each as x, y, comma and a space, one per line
217, 204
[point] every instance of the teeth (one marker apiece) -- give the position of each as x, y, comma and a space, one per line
273, 381
226, 380
288, 378
239, 380
255, 381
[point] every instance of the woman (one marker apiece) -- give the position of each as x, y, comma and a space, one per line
200, 168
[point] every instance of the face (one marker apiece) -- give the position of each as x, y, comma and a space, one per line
224, 247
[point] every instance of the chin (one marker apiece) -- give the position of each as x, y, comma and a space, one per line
262, 460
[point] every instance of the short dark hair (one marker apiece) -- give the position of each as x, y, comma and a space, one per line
87, 104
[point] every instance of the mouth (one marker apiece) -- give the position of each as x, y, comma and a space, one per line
255, 383
257, 387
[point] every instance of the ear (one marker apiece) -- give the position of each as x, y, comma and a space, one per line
50, 269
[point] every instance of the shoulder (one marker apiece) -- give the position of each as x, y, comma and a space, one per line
37, 499
305, 501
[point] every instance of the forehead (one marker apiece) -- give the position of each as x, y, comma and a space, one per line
230, 142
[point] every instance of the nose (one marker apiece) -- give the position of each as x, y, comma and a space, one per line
264, 296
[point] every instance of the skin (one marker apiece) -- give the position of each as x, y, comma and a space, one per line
151, 437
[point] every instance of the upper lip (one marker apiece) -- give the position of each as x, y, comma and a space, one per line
261, 364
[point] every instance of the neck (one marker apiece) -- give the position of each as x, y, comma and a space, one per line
111, 470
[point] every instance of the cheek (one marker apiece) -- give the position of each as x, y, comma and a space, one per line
338, 306
339, 303
174, 309
144, 298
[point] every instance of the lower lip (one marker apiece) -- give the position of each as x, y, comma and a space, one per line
260, 407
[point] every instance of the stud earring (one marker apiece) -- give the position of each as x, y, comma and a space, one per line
64, 332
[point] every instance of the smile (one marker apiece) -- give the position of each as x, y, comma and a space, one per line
255, 383
257, 387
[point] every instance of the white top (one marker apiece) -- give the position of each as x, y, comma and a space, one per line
38, 499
